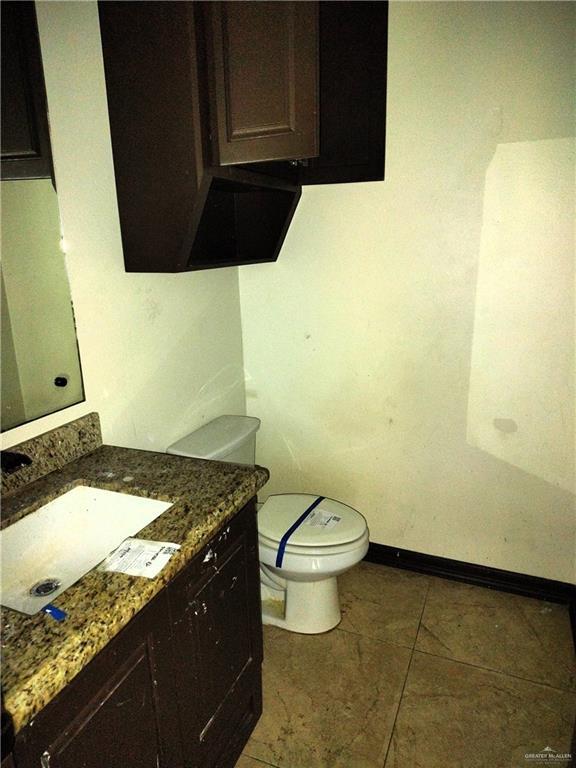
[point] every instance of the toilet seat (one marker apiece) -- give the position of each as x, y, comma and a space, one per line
318, 551
331, 524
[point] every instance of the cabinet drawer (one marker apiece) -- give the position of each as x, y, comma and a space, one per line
217, 550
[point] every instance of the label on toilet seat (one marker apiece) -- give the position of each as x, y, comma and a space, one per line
296, 524
319, 519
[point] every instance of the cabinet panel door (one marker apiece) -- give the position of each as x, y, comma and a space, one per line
353, 61
217, 635
118, 712
264, 70
353, 39
25, 138
150, 64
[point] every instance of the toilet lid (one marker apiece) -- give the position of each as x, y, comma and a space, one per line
330, 523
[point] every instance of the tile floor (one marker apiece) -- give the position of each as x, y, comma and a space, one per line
421, 673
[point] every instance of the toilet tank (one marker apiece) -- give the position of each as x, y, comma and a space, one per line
227, 438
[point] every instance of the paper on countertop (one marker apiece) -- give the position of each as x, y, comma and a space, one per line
139, 557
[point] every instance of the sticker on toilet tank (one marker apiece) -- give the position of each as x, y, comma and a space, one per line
319, 519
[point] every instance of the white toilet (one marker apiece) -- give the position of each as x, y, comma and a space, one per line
305, 540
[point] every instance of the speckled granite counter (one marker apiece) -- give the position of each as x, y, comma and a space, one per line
53, 449
40, 655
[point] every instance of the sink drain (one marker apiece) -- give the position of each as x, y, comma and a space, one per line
45, 587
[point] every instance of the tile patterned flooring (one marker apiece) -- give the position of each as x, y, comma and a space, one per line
421, 673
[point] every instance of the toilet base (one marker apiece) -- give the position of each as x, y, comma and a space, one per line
299, 606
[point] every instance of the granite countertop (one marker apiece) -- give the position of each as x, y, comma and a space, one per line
40, 655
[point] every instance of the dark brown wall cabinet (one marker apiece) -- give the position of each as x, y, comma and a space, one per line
263, 58
177, 212
25, 139
180, 685
220, 111
352, 41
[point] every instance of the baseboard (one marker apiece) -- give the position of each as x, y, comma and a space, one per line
481, 575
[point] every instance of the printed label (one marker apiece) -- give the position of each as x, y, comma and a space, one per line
138, 557
319, 519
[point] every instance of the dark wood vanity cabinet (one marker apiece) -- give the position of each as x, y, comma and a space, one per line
218, 644
180, 685
221, 111
25, 152
119, 711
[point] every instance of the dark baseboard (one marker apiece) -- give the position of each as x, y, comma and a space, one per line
481, 575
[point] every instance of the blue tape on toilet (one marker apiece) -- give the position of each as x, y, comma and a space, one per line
293, 527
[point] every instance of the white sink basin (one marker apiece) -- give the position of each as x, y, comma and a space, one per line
65, 539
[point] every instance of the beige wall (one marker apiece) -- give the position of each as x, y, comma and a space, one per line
160, 353
412, 348
371, 349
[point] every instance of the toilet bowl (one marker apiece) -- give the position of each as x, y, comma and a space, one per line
305, 541
300, 590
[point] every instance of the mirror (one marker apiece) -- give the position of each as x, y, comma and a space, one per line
40, 364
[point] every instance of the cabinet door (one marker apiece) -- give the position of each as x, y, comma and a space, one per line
264, 92
353, 61
218, 639
352, 107
25, 138
118, 712
150, 63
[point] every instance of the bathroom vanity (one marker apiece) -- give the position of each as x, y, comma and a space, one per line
145, 672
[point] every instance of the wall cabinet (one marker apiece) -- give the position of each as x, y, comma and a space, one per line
221, 111
25, 152
263, 62
177, 212
180, 685
352, 45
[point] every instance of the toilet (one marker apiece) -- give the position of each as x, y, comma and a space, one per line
305, 541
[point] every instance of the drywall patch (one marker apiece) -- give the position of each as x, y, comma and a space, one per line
523, 342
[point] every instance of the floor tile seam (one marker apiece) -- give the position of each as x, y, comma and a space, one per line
496, 671
400, 699
424, 603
